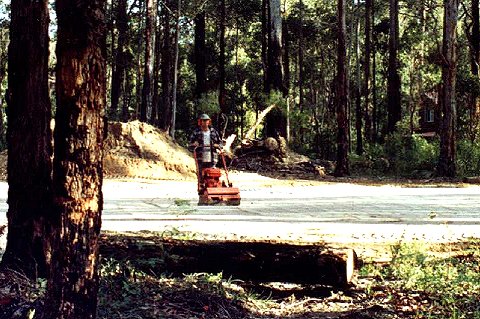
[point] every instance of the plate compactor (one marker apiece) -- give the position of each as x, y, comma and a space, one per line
213, 188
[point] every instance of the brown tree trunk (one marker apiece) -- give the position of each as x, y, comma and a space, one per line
366, 90
275, 121
156, 75
166, 73
475, 60
77, 167
146, 106
29, 138
221, 65
358, 97
446, 165
341, 168
118, 73
393, 90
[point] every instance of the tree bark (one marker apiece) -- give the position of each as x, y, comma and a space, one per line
393, 90
275, 121
221, 65
175, 70
446, 166
146, 106
368, 50
166, 73
358, 96
341, 168
29, 139
77, 166
475, 60
118, 72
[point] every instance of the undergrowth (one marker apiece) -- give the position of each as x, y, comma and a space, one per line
442, 285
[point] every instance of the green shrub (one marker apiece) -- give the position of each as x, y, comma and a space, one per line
468, 158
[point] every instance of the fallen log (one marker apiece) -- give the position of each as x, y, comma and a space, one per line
249, 261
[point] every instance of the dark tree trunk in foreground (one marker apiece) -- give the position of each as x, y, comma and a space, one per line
77, 167
393, 90
28, 137
446, 165
341, 168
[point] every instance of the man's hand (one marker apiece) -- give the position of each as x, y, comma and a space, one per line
194, 144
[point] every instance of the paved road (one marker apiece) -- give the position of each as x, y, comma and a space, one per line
330, 212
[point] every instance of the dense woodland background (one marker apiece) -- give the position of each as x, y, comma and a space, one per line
235, 58
374, 86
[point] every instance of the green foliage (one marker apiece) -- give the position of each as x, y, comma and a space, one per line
411, 155
451, 283
208, 103
468, 158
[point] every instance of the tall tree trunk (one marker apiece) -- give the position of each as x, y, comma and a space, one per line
118, 73
301, 45
77, 166
199, 53
446, 165
221, 68
341, 168
275, 120
475, 61
146, 106
175, 70
358, 97
368, 49
156, 75
29, 138
393, 90
166, 73
374, 81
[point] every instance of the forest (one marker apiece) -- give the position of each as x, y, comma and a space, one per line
376, 87
411, 76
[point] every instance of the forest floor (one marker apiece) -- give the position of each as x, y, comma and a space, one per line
133, 285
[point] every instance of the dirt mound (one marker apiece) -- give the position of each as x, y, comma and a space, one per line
137, 149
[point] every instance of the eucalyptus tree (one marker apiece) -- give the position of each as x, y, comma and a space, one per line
446, 164
77, 166
28, 138
148, 63
342, 167
394, 96
120, 57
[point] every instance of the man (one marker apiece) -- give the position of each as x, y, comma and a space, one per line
206, 141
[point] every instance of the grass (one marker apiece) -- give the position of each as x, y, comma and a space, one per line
444, 284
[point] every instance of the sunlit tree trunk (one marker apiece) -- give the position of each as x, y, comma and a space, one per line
446, 166
341, 168
29, 138
393, 90
77, 166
